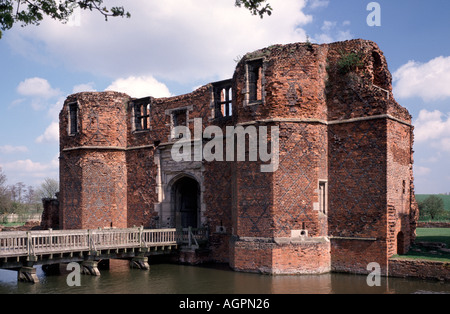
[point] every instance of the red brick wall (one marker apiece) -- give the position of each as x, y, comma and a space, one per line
303, 162
399, 189
421, 269
303, 257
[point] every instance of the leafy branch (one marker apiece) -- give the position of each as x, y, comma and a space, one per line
256, 7
29, 12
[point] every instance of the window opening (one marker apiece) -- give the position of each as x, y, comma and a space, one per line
73, 118
142, 114
254, 72
323, 197
223, 99
179, 117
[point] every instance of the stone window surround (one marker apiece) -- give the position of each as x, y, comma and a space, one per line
170, 113
246, 91
134, 115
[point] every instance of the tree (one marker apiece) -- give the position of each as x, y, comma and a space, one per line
433, 206
33, 11
48, 188
5, 198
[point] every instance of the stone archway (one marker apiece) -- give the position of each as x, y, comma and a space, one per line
185, 202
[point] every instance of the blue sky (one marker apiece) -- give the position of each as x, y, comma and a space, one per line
171, 47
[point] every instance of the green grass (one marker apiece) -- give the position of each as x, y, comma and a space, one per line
12, 224
429, 235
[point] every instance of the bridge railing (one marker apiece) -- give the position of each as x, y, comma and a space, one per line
59, 241
193, 236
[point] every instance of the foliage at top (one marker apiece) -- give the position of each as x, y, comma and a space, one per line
256, 7
349, 62
28, 12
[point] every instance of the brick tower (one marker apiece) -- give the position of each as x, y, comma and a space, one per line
93, 172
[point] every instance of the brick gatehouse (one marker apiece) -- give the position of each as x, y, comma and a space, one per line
341, 197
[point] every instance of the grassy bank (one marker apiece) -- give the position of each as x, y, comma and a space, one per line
441, 235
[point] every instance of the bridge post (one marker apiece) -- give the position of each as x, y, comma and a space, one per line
140, 262
27, 274
90, 268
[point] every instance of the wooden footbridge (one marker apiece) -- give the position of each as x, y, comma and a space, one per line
21, 250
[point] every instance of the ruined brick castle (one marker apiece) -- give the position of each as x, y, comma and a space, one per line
341, 197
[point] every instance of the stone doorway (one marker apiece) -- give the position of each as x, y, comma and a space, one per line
186, 202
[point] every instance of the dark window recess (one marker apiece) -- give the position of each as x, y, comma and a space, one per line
142, 114
223, 99
323, 197
254, 70
73, 119
179, 117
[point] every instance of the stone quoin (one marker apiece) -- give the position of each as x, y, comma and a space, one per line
342, 195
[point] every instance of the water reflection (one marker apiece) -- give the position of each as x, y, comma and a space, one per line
179, 279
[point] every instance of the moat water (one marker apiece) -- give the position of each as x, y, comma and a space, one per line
180, 279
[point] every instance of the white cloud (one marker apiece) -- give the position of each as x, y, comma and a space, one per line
87, 87
141, 86
38, 90
431, 125
50, 135
332, 31
328, 25
314, 4
182, 41
421, 171
8, 149
429, 81
30, 171
432, 128
25, 166
37, 87
444, 144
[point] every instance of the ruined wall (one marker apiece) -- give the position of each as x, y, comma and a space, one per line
340, 198
369, 158
272, 208
400, 193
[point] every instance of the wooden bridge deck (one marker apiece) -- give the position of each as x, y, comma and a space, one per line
21, 250
28, 248
35, 243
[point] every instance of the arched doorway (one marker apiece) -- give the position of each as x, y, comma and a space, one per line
185, 202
